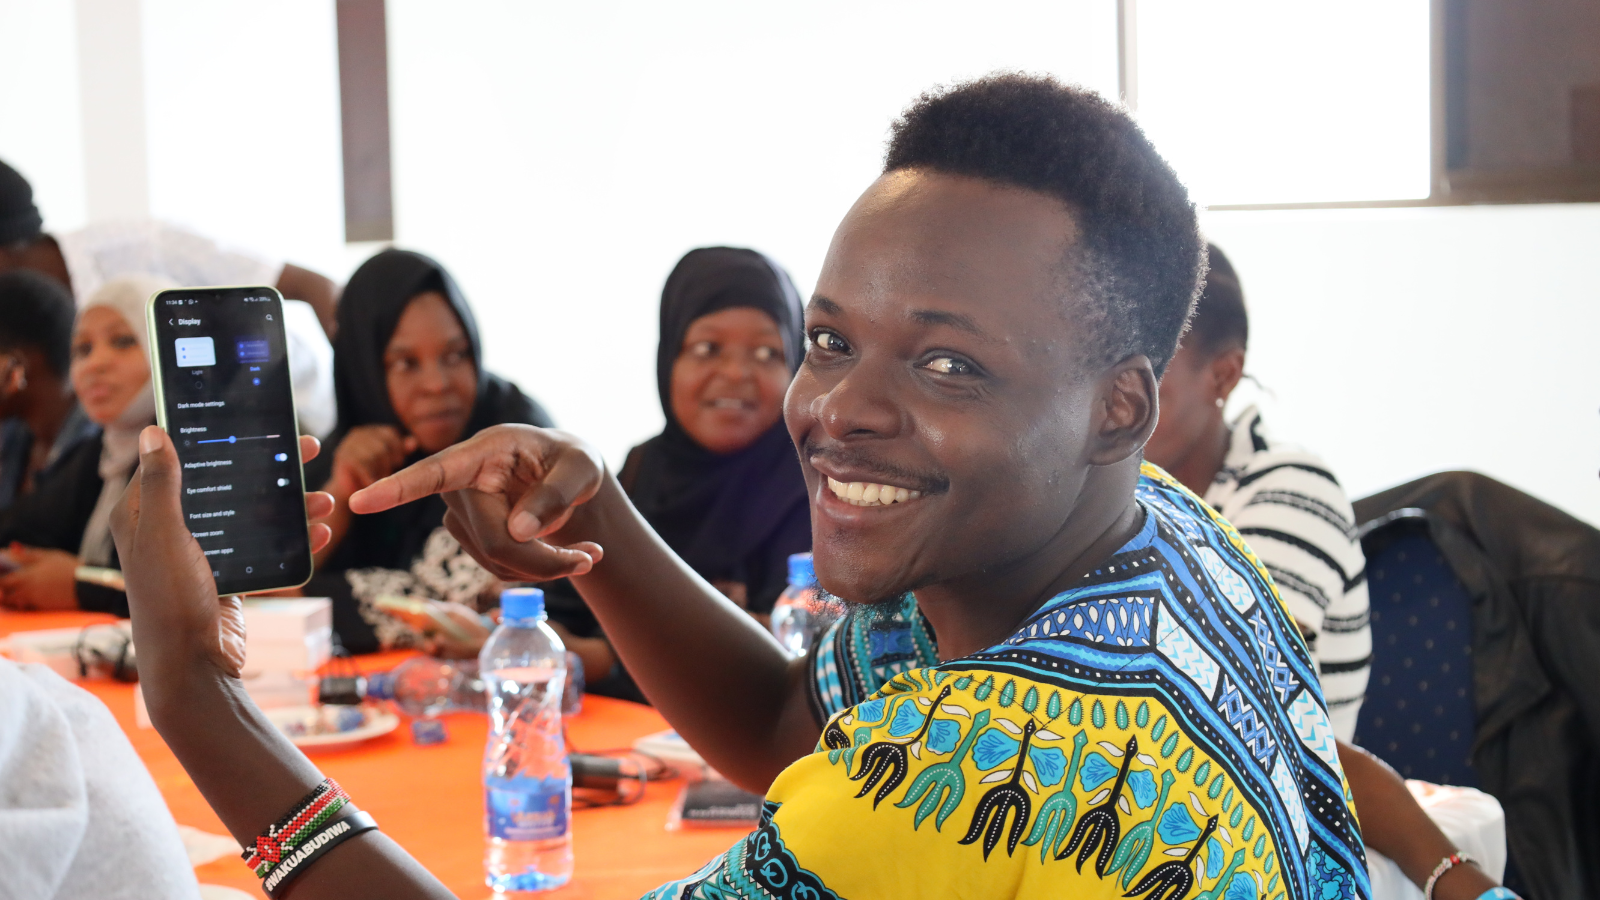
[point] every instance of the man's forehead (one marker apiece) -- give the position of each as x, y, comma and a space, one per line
915, 310
950, 250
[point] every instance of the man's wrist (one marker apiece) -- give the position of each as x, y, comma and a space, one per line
173, 689
597, 519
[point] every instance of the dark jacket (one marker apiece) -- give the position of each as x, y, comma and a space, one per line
1533, 573
53, 515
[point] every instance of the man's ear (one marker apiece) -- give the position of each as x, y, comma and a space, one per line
1126, 411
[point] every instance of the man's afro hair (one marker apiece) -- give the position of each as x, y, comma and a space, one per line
1141, 259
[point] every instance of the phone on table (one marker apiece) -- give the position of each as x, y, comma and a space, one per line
424, 617
224, 394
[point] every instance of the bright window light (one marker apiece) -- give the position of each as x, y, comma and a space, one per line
1261, 101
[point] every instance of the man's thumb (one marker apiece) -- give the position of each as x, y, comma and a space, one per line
158, 469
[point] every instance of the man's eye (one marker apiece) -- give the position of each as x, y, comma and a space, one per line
766, 354
702, 349
124, 342
829, 342
949, 365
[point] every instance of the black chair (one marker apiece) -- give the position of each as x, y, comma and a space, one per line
1486, 663
1419, 715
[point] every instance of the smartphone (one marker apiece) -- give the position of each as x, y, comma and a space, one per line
424, 616
223, 393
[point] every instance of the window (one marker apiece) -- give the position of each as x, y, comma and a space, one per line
1264, 102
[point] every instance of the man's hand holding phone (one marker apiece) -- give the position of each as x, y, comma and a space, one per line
178, 619
191, 647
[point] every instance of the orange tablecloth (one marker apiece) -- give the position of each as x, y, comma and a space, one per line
430, 799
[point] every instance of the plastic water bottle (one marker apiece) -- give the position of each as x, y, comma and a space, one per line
801, 614
423, 687
527, 778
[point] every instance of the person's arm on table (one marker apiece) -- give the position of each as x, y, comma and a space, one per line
1393, 824
43, 579
191, 648
533, 505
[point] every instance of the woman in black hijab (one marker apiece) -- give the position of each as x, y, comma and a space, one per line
721, 484
410, 380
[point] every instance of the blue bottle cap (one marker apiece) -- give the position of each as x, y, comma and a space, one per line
380, 686
802, 571
521, 603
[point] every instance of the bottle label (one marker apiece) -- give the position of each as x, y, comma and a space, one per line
527, 809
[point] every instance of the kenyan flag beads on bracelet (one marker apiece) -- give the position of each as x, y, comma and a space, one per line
283, 836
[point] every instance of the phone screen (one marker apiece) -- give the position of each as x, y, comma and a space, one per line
226, 399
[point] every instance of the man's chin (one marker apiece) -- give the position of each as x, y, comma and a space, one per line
867, 612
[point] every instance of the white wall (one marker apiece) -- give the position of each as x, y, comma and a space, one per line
41, 130
1407, 341
240, 118
243, 124
560, 158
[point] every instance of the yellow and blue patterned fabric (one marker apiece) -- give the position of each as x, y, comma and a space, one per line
1155, 732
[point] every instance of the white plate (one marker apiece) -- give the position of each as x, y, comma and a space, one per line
379, 722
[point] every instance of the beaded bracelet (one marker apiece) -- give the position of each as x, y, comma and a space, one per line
283, 836
1445, 865
349, 823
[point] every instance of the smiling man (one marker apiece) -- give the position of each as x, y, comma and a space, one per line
1116, 703
1066, 677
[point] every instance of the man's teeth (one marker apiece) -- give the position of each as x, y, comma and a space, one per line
864, 493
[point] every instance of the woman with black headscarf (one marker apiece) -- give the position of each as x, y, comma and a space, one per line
721, 484
410, 380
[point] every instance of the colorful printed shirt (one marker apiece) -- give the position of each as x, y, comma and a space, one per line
1156, 732
1300, 525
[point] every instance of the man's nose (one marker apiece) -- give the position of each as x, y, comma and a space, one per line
860, 405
